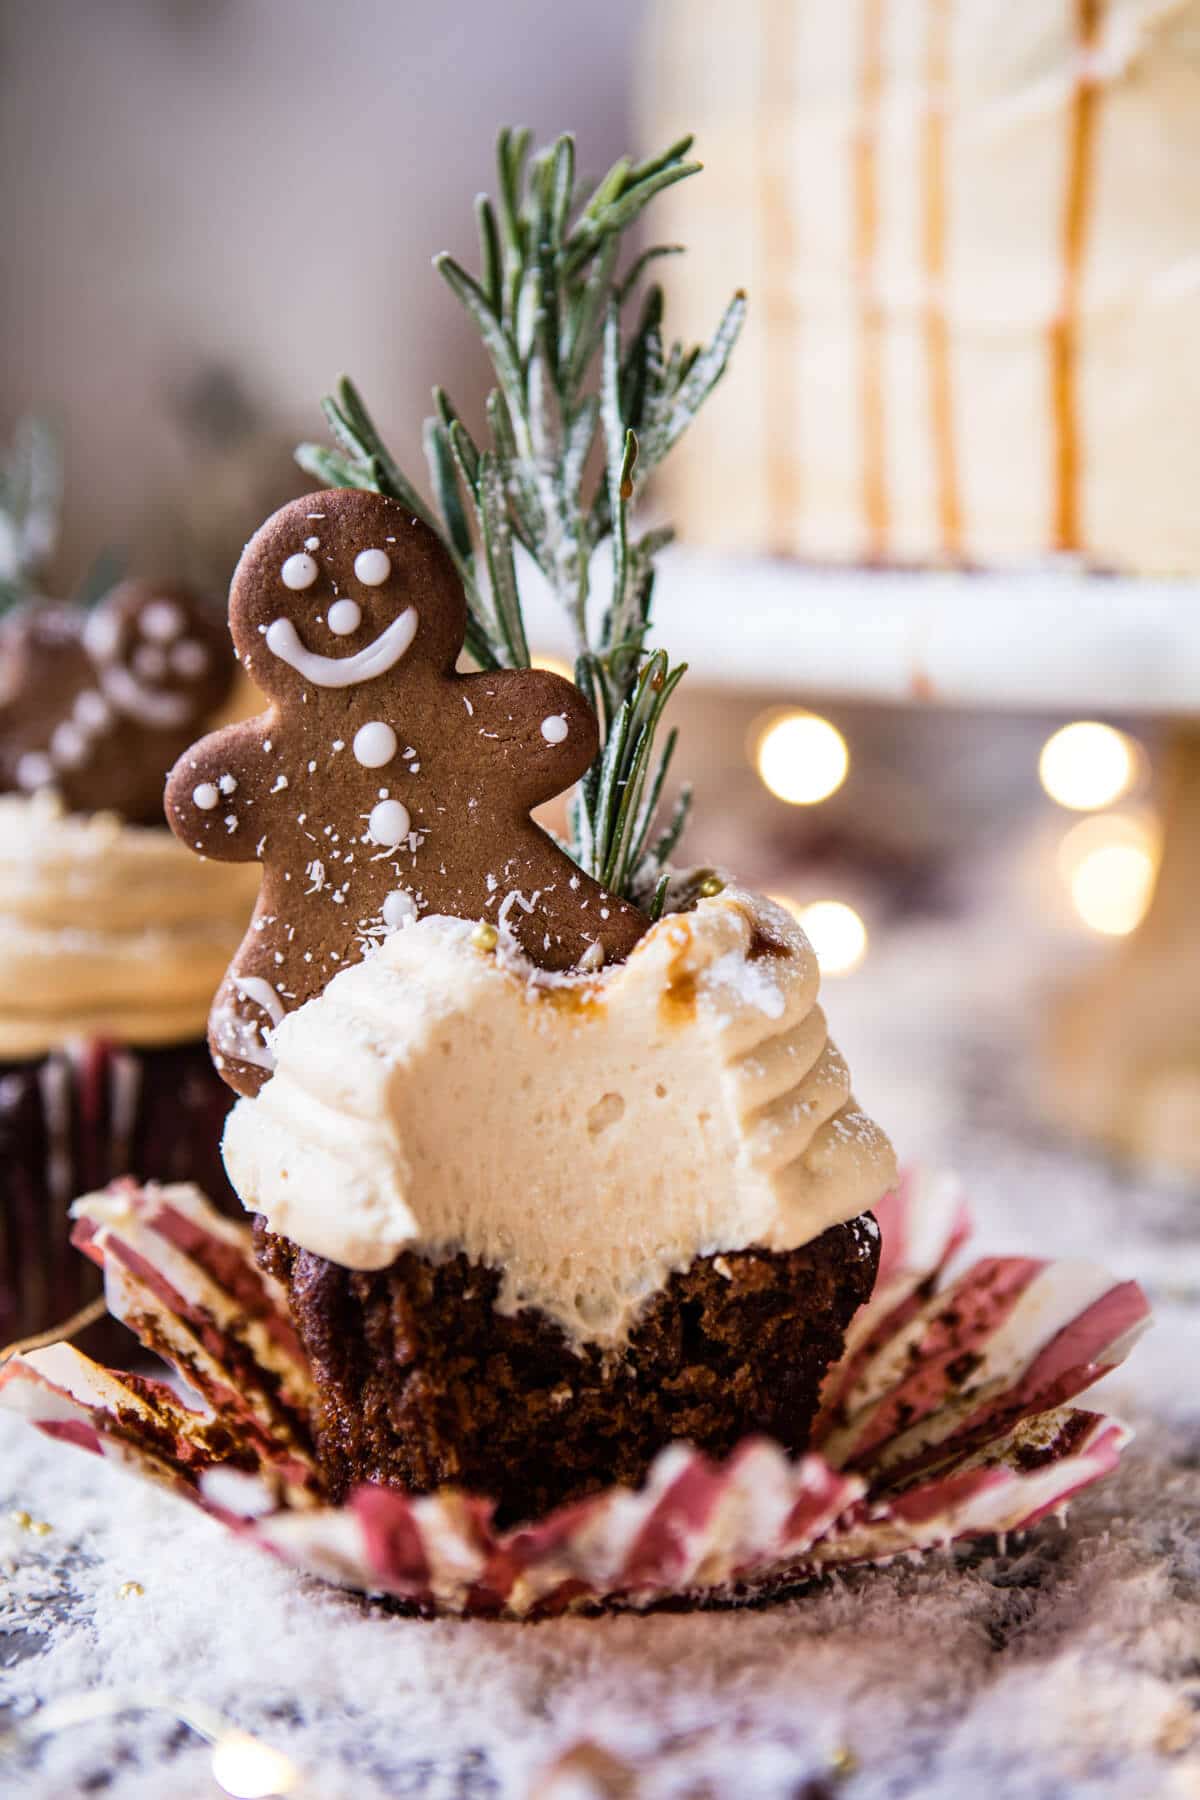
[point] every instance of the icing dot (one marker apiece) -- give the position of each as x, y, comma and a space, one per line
372, 567
388, 824
374, 744
554, 729
189, 659
162, 620
345, 616
299, 571
206, 796
398, 909
68, 746
34, 770
91, 710
150, 661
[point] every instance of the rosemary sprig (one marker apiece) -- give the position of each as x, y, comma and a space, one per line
578, 359
30, 496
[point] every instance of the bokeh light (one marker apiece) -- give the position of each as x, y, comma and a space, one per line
1087, 765
1109, 864
554, 664
801, 757
833, 928
247, 1769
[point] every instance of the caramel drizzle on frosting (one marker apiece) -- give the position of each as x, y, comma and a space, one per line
933, 245
780, 254
1064, 329
870, 321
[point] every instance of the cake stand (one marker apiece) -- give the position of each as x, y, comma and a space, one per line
1124, 1045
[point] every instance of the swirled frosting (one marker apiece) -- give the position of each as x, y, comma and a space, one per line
587, 1135
108, 929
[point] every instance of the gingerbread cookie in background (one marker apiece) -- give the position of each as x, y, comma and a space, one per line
97, 704
381, 784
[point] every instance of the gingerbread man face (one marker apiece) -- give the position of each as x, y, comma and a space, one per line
98, 704
380, 784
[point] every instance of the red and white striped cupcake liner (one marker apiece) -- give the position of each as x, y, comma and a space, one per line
946, 1418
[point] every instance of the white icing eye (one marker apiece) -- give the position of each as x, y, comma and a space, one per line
374, 744
91, 710
206, 796
389, 824
34, 770
68, 746
398, 909
372, 567
150, 662
345, 616
554, 729
189, 659
162, 620
299, 571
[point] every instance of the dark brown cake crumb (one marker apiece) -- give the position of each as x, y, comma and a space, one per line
422, 1382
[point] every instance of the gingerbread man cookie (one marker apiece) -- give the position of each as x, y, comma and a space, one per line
380, 784
98, 704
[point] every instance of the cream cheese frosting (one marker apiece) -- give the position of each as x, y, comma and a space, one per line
108, 929
587, 1135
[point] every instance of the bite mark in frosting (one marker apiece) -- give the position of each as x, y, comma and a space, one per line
587, 1135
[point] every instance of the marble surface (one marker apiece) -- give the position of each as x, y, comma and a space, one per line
1064, 1664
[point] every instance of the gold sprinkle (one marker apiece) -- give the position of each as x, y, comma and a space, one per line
485, 936
130, 1590
22, 1520
711, 886
40, 1528
843, 1761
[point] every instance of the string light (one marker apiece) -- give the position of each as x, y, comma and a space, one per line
801, 757
248, 1769
1087, 765
242, 1766
1109, 864
833, 928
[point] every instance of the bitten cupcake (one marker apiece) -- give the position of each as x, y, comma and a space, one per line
550, 1151
111, 939
549, 1185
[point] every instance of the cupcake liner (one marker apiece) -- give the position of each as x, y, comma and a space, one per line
944, 1419
74, 1120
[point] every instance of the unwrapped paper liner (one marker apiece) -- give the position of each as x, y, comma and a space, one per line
945, 1419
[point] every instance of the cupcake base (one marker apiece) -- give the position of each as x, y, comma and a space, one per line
421, 1383
71, 1122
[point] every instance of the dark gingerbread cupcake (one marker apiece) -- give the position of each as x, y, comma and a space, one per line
549, 1185
112, 940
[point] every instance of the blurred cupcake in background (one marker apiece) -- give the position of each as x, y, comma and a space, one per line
112, 939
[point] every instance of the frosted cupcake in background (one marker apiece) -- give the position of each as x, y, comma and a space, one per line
112, 939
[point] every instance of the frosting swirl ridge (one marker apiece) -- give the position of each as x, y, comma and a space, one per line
588, 1135
108, 929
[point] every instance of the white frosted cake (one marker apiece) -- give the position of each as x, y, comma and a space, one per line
970, 233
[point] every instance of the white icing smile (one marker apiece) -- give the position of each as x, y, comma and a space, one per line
375, 659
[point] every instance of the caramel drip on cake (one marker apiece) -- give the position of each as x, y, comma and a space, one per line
780, 258
937, 348
870, 335
1064, 331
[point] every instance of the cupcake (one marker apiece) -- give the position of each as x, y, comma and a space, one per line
111, 939
534, 1227
549, 1185
549, 1150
